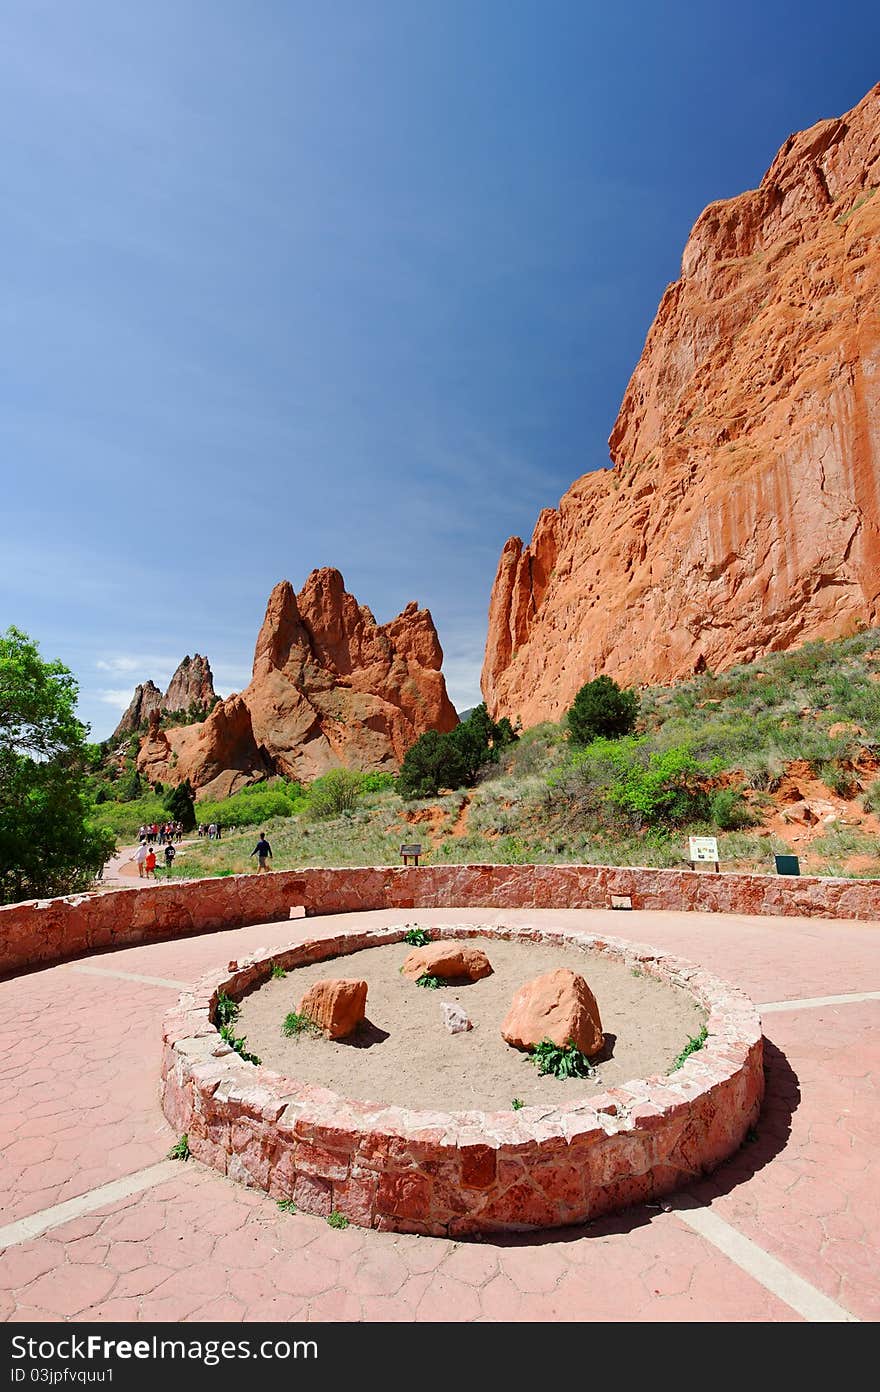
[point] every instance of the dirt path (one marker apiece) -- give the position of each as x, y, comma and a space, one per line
121, 869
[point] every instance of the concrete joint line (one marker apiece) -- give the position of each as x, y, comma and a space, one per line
768, 1271
813, 1002
134, 976
38, 1223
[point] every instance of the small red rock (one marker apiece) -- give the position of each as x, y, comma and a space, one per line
336, 1006
558, 1006
451, 961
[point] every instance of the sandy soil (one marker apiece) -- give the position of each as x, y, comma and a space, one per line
404, 1055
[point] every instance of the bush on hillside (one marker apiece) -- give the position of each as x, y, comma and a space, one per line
179, 803
628, 779
334, 793
255, 804
729, 810
602, 710
377, 782
454, 759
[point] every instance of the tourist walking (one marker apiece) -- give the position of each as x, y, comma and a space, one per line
263, 852
150, 863
170, 853
140, 856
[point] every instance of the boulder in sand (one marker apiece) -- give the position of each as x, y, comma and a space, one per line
454, 1018
336, 1006
451, 961
559, 1006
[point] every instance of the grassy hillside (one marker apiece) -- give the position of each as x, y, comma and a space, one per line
780, 755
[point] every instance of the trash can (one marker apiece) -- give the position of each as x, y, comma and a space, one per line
787, 865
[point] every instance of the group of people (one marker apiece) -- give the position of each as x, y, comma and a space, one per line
213, 830
160, 833
145, 858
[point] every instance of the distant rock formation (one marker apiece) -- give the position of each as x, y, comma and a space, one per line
330, 687
147, 697
741, 515
191, 687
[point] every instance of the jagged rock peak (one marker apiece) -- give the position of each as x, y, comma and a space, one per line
191, 685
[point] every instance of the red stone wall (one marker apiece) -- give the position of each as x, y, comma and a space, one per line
460, 1173
52, 930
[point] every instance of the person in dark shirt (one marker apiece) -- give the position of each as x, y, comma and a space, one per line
263, 852
170, 853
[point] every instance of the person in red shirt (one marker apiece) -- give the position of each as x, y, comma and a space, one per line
150, 863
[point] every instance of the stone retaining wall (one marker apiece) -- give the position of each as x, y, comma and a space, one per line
53, 930
461, 1173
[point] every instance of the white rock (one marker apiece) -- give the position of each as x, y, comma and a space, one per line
454, 1018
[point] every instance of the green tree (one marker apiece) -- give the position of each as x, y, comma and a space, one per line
433, 762
180, 804
454, 759
47, 844
602, 710
337, 791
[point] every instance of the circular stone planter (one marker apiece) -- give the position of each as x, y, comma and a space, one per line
458, 1173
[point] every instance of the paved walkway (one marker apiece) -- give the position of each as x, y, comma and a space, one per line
96, 1224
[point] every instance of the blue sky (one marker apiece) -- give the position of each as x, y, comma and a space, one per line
356, 284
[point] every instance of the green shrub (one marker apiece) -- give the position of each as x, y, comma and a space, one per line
296, 1024
602, 710
180, 1150
566, 1062
179, 803
416, 937
729, 810
226, 1010
454, 759
694, 1044
840, 780
255, 805
648, 787
378, 782
336, 792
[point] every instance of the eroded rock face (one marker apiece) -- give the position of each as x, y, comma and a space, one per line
219, 755
146, 699
451, 961
741, 515
330, 687
559, 1006
191, 685
336, 1006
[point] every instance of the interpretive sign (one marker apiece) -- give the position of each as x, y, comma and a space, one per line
703, 848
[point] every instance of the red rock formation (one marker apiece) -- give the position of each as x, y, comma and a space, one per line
191, 685
336, 1006
741, 515
147, 698
558, 1006
218, 755
330, 687
451, 961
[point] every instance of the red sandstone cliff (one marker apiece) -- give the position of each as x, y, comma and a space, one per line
191, 685
147, 698
330, 686
741, 515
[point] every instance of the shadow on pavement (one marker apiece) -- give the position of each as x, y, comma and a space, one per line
781, 1100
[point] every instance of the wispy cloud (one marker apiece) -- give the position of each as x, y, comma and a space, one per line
126, 662
117, 698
